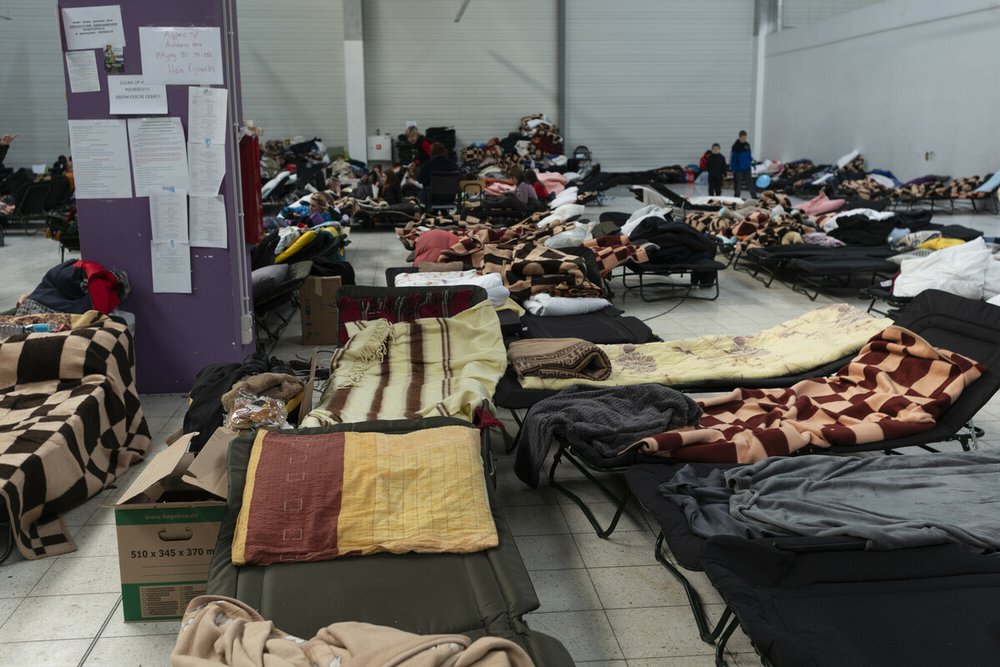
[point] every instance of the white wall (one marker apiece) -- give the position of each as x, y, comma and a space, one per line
894, 80
32, 87
797, 13
479, 75
292, 68
652, 83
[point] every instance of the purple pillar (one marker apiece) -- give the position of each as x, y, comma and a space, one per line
176, 334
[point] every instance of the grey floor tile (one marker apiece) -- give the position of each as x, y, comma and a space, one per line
86, 574
585, 634
95, 540
639, 586
80, 514
137, 651
8, 605
548, 552
18, 575
621, 548
601, 663
51, 653
577, 521
685, 661
59, 617
564, 590
657, 632
536, 520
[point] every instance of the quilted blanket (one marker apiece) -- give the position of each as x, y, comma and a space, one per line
430, 366
330, 495
819, 337
70, 425
897, 385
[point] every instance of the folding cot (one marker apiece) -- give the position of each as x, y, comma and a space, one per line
818, 604
961, 325
810, 267
475, 594
965, 326
274, 301
704, 274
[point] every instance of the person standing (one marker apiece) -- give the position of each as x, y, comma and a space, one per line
715, 165
741, 162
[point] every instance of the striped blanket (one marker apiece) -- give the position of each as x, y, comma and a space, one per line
70, 425
431, 366
897, 385
324, 496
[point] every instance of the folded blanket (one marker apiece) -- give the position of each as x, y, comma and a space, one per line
897, 385
569, 358
218, 630
324, 496
492, 283
445, 366
819, 337
606, 421
548, 305
893, 502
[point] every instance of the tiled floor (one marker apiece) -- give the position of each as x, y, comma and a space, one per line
608, 600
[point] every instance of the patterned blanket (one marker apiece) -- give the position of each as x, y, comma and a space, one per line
898, 385
330, 495
819, 337
362, 303
70, 425
431, 366
532, 269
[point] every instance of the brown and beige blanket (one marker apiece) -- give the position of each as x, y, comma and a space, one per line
218, 630
562, 358
70, 425
897, 385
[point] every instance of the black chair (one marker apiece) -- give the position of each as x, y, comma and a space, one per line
29, 203
442, 191
59, 197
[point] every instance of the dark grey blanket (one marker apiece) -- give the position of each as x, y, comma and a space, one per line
605, 419
893, 502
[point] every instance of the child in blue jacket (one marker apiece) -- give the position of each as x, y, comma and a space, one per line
741, 162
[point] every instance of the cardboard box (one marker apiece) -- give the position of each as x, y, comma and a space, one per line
168, 521
318, 308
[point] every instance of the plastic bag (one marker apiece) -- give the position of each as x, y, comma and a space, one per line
252, 412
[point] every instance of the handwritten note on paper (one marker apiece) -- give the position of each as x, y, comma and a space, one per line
159, 155
100, 159
82, 69
130, 95
207, 115
93, 27
181, 55
208, 222
171, 262
169, 216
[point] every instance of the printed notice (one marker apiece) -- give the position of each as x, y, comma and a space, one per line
181, 55
169, 216
171, 264
131, 96
93, 27
207, 166
207, 115
159, 156
208, 222
100, 159
82, 69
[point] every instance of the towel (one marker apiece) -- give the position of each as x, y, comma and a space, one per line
559, 358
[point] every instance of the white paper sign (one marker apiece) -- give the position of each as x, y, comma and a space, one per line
169, 216
100, 159
171, 264
208, 222
93, 27
207, 115
181, 55
131, 96
82, 69
158, 155
207, 167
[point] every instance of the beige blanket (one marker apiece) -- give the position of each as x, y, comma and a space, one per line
812, 340
222, 631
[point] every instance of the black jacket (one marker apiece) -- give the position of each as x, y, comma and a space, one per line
434, 165
3, 152
716, 165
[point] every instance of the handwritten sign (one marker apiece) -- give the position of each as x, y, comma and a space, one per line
181, 55
130, 95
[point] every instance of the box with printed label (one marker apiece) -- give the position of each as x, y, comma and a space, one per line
318, 310
167, 523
